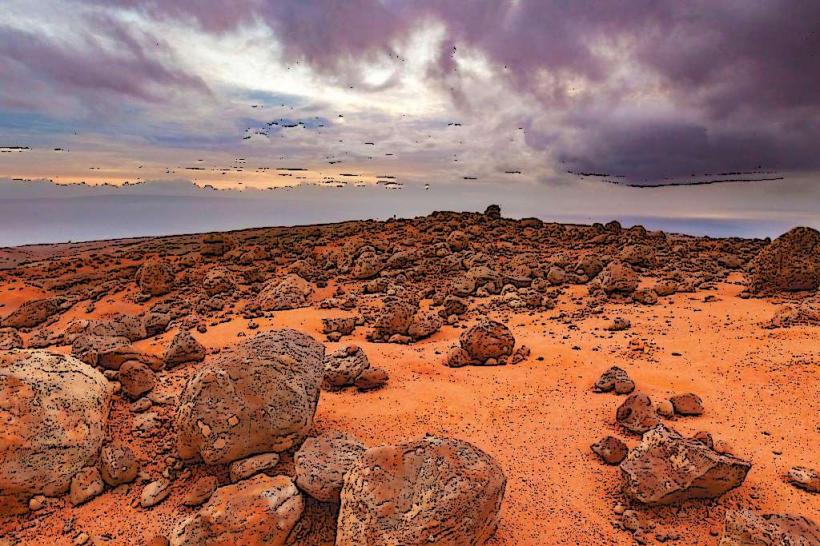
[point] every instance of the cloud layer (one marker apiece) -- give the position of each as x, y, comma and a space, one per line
641, 90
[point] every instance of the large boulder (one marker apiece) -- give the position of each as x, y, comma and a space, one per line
790, 263
289, 292
367, 266
322, 462
746, 528
260, 511
183, 348
53, 411
343, 366
487, 339
617, 278
155, 277
396, 318
259, 397
637, 413
32, 313
431, 491
666, 468
218, 281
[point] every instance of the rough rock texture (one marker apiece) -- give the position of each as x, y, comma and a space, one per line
322, 462
53, 410
259, 397
687, 404
618, 278
637, 414
10, 339
431, 491
105, 352
136, 379
804, 478
118, 465
615, 379
290, 292
218, 281
184, 348
343, 366
667, 468
746, 528
155, 277
261, 510
487, 339
791, 262
32, 313
610, 449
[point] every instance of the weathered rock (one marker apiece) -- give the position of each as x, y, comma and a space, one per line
431, 491
182, 349
804, 478
371, 378
218, 281
290, 292
155, 492
610, 449
32, 313
487, 339
85, 485
261, 510
155, 277
10, 339
201, 491
790, 263
687, 404
637, 414
54, 411
618, 324
118, 465
614, 379
458, 240
667, 468
646, 296
322, 462
424, 325
245, 468
367, 266
343, 366
105, 352
493, 212
746, 528
258, 397
343, 325
395, 318
618, 278
136, 379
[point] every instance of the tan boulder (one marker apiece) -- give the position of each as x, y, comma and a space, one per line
746, 528
322, 462
289, 292
260, 511
790, 263
487, 339
431, 491
54, 411
155, 277
258, 397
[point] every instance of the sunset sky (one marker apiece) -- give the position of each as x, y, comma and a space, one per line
508, 96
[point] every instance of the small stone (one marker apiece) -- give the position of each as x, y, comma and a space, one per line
118, 465
665, 408
687, 404
36, 502
804, 478
155, 492
705, 438
245, 468
611, 450
619, 509
371, 378
80, 539
630, 520
85, 485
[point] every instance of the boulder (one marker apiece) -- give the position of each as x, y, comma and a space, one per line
790, 263
687, 404
746, 528
431, 491
367, 266
804, 478
245, 468
487, 340
54, 411
610, 449
258, 397
201, 491
218, 281
261, 510
637, 414
118, 465
371, 378
136, 379
395, 318
290, 292
322, 462
343, 366
32, 313
183, 348
155, 277
617, 278
667, 468
614, 379
105, 352
85, 485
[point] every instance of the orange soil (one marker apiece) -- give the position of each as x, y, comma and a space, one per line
537, 418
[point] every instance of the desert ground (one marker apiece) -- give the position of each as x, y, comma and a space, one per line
463, 326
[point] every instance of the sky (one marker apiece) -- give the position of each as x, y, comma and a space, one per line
531, 101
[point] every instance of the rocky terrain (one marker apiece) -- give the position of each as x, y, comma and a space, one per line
459, 378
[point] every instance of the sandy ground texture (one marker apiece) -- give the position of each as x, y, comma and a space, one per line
537, 418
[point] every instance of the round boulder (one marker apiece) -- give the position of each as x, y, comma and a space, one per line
258, 397
431, 491
54, 411
487, 339
155, 277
